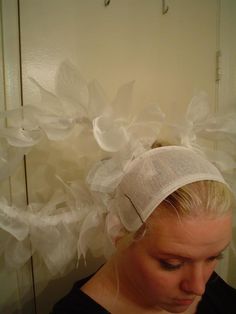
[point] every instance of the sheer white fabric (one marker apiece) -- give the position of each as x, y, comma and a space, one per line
106, 145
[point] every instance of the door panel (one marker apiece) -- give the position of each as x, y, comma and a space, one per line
169, 56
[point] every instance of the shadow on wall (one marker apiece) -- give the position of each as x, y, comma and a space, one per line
14, 308
49, 293
57, 288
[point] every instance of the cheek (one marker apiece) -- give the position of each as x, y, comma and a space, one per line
149, 275
209, 270
162, 281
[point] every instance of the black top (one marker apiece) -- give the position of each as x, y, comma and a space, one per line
78, 302
219, 298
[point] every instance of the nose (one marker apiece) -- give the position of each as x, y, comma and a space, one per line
194, 281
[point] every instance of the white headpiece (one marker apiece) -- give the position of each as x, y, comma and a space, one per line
153, 176
108, 147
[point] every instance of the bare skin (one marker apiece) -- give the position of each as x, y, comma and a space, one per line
165, 271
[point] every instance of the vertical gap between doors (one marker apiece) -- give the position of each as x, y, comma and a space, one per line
24, 160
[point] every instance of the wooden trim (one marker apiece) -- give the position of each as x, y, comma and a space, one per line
18, 296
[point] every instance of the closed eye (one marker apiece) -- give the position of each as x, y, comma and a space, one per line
170, 266
217, 257
177, 265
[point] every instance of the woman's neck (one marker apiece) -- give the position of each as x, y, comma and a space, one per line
106, 288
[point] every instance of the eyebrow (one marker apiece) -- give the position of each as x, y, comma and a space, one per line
172, 255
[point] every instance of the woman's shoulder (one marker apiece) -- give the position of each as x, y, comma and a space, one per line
76, 301
219, 297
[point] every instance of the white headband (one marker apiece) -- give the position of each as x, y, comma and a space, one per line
155, 175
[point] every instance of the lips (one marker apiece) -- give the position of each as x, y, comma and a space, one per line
183, 301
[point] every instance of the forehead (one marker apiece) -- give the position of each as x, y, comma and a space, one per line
195, 237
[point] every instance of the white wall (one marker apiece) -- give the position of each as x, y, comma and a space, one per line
169, 55
227, 98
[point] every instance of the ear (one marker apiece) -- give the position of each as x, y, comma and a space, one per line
124, 241
140, 233
114, 228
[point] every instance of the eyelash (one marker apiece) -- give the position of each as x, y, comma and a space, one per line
167, 266
218, 257
171, 267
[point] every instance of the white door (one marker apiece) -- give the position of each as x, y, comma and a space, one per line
169, 55
227, 100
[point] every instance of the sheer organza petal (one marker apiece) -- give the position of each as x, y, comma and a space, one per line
90, 237
71, 85
105, 175
20, 137
146, 125
10, 159
91, 222
17, 253
77, 196
122, 105
221, 127
12, 222
57, 128
49, 103
12, 117
198, 108
151, 114
54, 204
98, 103
110, 135
223, 160
55, 244
114, 226
26, 117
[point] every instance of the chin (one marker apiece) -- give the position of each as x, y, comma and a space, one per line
176, 308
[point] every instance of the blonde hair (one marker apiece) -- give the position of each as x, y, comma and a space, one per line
210, 199
207, 197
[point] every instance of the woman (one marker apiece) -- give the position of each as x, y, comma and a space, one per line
175, 213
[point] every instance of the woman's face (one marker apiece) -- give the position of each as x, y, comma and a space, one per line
171, 264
